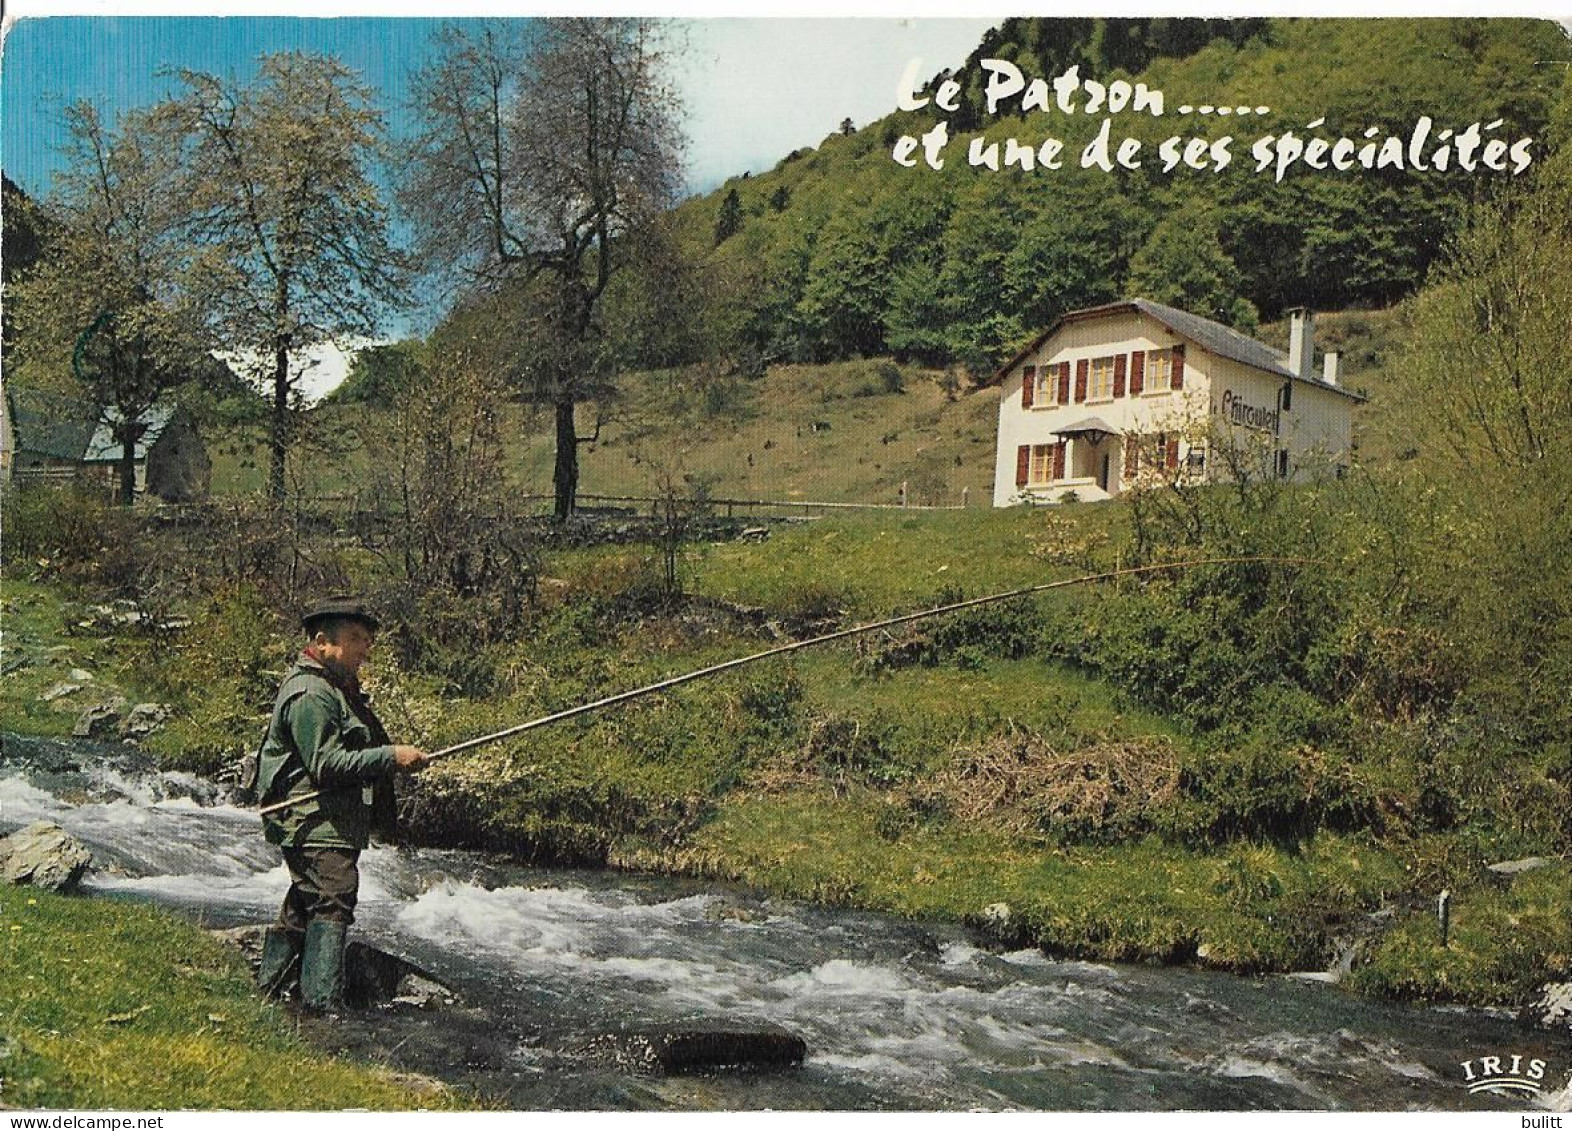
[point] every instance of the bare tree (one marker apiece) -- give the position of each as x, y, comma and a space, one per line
541, 155
104, 289
288, 228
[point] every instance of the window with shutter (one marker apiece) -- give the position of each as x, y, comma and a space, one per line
1047, 378
1159, 370
1099, 386
1042, 457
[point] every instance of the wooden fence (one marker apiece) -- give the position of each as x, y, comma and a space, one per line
734, 508
340, 507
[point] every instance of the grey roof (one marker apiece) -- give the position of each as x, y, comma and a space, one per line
1090, 424
65, 428
50, 424
1217, 338
1211, 336
104, 446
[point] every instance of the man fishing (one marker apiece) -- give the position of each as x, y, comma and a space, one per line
325, 753
326, 769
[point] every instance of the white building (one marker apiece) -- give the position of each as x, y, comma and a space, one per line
1138, 388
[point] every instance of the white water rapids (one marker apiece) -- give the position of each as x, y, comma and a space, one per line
895, 1014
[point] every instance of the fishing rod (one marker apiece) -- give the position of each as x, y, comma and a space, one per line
783, 649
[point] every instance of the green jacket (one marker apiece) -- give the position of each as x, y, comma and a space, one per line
316, 741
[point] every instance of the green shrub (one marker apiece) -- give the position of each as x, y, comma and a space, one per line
841, 747
1262, 791
773, 705
64, 526
811, 603
1009, 630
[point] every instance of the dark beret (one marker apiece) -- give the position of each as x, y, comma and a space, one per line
340, 606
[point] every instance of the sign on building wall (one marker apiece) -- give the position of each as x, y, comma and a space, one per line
1236, 410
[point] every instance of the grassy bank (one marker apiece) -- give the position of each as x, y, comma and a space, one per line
111, 1005
1247, 909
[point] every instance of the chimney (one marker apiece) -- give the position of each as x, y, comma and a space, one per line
1301, 341
1331, 367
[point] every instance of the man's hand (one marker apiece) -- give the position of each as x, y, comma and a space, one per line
409, 758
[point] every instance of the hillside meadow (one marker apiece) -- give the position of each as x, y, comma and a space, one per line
842, 432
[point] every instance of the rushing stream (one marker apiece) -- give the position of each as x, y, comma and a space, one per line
895, 1014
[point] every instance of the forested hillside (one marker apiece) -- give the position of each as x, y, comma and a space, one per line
841, 251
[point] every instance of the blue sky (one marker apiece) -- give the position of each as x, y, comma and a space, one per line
755, 89
113, 62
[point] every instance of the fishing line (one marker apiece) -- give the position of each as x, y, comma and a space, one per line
781, 650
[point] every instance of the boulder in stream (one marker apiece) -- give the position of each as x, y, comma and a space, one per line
1552, 1009
698, 1048
371, 977
736, 910
999, 924
43, 855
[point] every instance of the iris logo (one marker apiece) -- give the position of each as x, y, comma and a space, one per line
1500, 1075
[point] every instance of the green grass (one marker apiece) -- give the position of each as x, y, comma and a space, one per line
950, 703
1505, 941
881, 564
112, 1005
875, 440
213, 717
1243, 909
38, 626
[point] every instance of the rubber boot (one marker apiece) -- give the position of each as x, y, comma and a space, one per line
279, 972
322, 966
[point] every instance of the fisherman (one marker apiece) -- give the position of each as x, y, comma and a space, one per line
324, 739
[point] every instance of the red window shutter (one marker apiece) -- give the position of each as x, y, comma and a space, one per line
1064, 382
1132, 456
1023, 464
1178, 381
1119, 375
1172, 459
1028, 385
1080, 380
1058, 460
1137, 371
